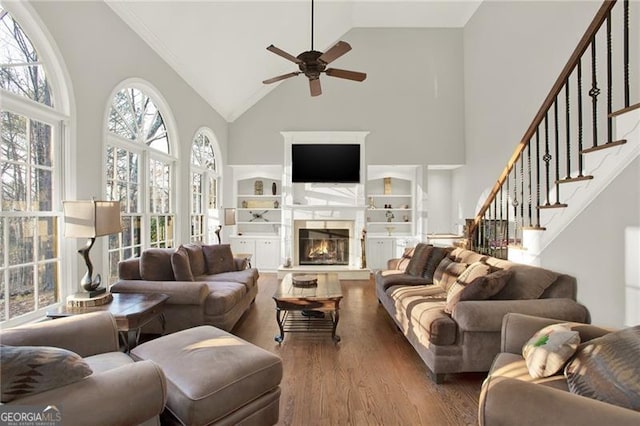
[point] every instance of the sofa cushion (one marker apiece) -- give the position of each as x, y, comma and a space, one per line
429, 322
181, 265
404, 260
473, 271
506, 364
481, 288
155, 265
527, 282
27, 370
419, 259
549, 349
435, 257
196, 259
607, 369
223, 296
385, 280
218, 258
248, 277
448, 272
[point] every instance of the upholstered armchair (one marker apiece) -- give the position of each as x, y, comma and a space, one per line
106, 386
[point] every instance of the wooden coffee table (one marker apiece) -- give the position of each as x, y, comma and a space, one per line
130, 310
314, 308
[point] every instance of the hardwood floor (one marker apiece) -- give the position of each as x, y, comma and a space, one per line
373, 376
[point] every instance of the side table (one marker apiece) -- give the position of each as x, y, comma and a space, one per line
130, 310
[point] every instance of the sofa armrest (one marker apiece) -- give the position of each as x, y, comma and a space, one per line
86, 335
507, 401
179, 292
518, 328
129, 395
240, 263
129, 269
393, 264
486, 315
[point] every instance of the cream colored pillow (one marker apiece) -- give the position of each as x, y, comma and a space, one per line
549, 349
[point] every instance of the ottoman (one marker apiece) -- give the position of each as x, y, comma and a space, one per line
214, 377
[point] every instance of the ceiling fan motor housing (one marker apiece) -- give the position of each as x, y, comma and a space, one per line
310, 65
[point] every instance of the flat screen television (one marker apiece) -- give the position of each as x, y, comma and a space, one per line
325, 163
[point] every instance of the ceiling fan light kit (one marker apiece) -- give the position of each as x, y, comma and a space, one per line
313, 63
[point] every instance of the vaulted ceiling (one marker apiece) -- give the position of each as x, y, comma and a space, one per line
219, 47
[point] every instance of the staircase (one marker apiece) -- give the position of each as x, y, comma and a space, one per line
586, 132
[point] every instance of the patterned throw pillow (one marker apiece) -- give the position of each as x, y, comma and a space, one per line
481, 288
607, 369
435, 257
405, 259
218, 258
548, 350
419, 259
28, 370
473, 271
181, 265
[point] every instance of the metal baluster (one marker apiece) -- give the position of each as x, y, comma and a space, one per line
522, 189
506, 206
529, 173
495, 228
547, 156
538, 176
557, 149
580, 132
594, 92
515, 201
626, 53
609, 82
568, 126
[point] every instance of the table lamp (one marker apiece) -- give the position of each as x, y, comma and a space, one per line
229, 220
91, 219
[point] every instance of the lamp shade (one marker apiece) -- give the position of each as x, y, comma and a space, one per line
91, 218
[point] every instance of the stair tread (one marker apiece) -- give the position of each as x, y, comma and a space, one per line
534, 228
575, 179
553, 206
603, 146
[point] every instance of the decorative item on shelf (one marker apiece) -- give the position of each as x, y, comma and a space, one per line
372, 204
389, 215
258, 216
91, 219
258, 188
245, 204
276, 204
387, 186
363, 258
274, 188
405, 206
287, 263
229, 220
405, 218
389, 229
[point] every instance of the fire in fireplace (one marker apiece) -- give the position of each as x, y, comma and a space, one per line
323, 246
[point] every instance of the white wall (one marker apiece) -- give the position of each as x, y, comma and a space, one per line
411, 102
440, 214
592, 248
100, 51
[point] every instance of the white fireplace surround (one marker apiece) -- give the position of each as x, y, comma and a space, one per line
322, 224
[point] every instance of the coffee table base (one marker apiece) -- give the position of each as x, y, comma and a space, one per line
293, 321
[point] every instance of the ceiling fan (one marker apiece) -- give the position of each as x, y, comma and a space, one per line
313, 63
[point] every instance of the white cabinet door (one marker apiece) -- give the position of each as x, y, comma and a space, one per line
379, 250
243, 245
267, 254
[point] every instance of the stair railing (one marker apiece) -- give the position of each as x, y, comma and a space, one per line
540, 164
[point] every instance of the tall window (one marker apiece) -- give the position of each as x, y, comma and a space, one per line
139, 174
30, 177
204, 189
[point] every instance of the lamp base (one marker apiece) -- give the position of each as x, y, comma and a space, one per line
96, 292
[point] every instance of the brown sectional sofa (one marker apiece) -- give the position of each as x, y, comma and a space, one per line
511, 396
206, 285
466, 338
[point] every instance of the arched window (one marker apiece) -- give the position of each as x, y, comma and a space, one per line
139, 174
31, 133
205, 180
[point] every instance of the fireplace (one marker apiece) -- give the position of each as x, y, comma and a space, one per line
323, 246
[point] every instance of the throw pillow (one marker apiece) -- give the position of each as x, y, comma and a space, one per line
528, 282
218, 258
181, 265
419, 259
196, 259
473, 271
28, 370
548, 350
447, 272
482, 288
607, 369
435, 257
405, 259
155, 264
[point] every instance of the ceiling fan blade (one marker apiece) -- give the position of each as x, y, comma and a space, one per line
349, 75
284, 54
314, 86
339, 49
281, 77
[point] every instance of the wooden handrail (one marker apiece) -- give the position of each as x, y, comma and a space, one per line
584, 43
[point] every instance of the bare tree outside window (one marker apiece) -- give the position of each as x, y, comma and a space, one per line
204, 184
29, 237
